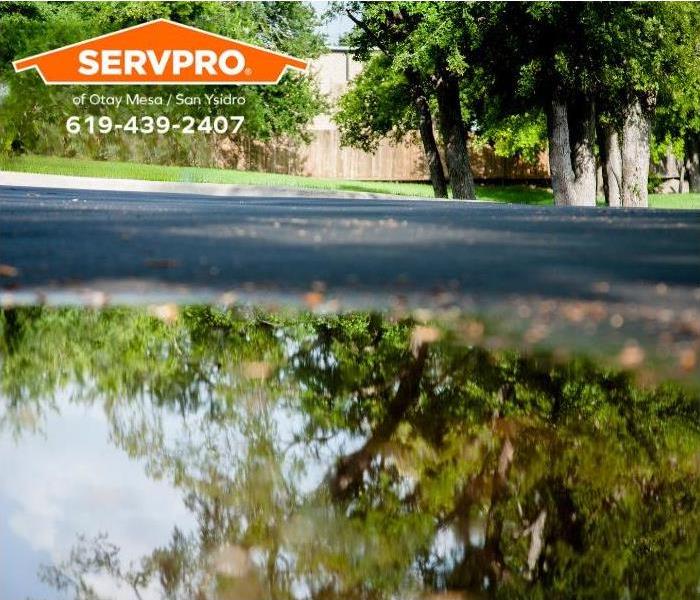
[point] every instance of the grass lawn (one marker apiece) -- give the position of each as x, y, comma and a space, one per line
123, 170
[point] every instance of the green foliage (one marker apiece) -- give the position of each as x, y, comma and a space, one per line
403, 43
522, 135
610, 52
377, 105
33, 115
650, 52
512, 57
456, 475
678, 113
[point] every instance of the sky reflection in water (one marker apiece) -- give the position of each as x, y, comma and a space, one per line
229, 455
66, 479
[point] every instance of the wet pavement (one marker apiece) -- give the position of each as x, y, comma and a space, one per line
59, 244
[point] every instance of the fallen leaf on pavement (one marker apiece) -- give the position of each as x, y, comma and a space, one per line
313, 299
8, 271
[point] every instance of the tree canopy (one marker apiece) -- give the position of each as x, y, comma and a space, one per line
603, 77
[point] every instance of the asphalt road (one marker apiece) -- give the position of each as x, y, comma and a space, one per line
147, 246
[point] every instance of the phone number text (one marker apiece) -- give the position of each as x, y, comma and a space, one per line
148, 124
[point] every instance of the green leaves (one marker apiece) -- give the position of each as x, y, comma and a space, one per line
377, 105
515, 135
491, 441
34, 114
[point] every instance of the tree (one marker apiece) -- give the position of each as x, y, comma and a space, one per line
587, 63
541, 57
406, 33
34, 115
648, 65
380, 103
677, 117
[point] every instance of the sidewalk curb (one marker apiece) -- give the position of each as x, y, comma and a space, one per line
40, 180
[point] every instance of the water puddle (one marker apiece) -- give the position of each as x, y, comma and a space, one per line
208, 453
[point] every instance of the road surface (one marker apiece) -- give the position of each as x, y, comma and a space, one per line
620, 283
125, 243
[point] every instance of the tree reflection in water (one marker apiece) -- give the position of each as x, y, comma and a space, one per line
356, 456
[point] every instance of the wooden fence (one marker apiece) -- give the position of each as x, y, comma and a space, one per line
323, 156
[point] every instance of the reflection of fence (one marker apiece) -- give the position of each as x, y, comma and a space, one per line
324, 157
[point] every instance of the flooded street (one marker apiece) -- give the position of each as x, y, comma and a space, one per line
210, 453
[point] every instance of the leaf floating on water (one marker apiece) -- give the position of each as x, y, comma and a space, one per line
421, 335
631, 356
168, 313
687, 359
313, 299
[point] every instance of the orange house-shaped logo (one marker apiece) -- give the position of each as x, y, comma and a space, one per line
160, 52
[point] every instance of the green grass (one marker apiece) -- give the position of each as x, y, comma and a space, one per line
684, 201
125, 170
520, 194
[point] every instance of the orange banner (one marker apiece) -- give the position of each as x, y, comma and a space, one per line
160, 52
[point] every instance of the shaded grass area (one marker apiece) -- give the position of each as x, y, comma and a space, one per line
516, 194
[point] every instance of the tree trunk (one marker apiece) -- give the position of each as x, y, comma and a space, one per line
613, 168
583, 152
349, 471
430, 147
601, 136
635, 157
692, 164
454, 137
571, 157
560, 153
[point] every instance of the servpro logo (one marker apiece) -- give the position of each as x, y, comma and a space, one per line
160, 52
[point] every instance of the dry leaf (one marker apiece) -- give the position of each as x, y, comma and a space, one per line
168, 313
8, 271
631, 356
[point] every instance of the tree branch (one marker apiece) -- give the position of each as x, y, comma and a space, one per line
350, 468
362, 25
